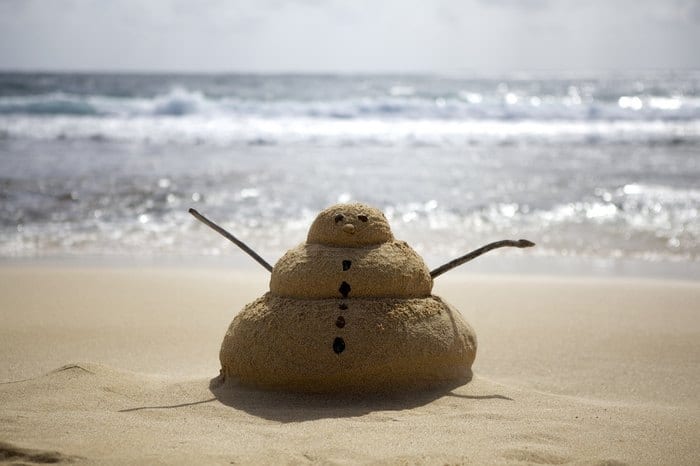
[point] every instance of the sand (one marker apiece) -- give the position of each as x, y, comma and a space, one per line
113, 366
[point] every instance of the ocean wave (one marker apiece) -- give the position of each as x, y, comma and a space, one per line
463, 105
177, 102
399, 116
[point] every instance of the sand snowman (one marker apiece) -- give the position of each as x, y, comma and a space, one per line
350, 309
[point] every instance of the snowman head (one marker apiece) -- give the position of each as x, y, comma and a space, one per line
350, 225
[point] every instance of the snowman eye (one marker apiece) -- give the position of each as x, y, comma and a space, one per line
363, 218
339, 218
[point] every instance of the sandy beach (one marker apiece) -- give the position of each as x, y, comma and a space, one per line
114, 365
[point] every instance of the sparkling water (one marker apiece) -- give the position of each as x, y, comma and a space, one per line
599, 168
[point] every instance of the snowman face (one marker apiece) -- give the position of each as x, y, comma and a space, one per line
350, 225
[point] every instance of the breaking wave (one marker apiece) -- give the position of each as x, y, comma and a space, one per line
191, 117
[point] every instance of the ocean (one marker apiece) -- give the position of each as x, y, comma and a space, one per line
600, 170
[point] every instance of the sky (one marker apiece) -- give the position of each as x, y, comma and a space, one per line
349, 35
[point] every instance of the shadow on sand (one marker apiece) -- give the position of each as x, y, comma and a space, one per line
288, 407
298, 407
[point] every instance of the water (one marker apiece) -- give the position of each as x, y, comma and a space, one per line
604, 169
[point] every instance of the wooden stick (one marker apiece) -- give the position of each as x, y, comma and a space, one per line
231, 238
521, 243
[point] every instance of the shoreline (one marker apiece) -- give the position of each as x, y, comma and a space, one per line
498, 264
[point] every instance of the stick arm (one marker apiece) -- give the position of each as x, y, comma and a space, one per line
521, 243
231, 238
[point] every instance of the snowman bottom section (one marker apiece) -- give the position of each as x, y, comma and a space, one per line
358, 344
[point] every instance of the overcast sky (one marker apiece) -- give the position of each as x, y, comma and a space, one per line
349, 35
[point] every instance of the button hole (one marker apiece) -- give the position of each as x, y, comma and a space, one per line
344, 289
338, 345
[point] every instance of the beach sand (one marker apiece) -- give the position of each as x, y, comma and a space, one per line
114, 365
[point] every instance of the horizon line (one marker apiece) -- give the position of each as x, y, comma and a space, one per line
319, 72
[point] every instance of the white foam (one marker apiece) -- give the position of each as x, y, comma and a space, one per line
227, 130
